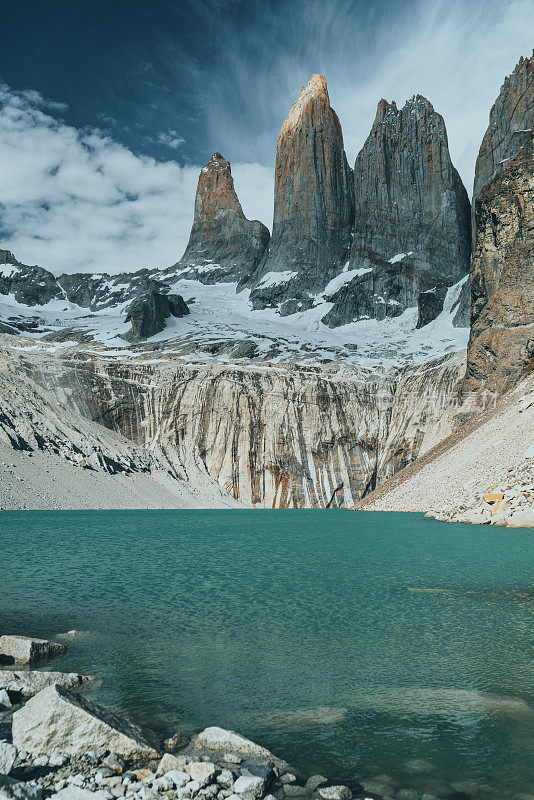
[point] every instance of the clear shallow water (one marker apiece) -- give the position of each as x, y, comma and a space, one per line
351, 644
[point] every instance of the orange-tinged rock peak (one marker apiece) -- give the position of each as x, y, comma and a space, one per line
315, 93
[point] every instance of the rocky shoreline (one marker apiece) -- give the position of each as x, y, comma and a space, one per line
56, 743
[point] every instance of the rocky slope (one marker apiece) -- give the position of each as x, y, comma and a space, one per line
490, 453
501, 345
52, 455
411, 218
313, 206
224, 245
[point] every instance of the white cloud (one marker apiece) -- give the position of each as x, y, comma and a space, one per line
171, 139
78, 201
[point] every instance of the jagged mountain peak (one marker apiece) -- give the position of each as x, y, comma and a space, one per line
510, 121
310, 107
388, 111
223, 245
215, 190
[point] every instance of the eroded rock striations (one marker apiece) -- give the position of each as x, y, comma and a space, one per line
501, 344
411, 218
288, 437
224, 245
313, 206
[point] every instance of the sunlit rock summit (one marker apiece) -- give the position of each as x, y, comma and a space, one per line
313, 206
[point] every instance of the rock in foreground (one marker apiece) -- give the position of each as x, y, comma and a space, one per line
57, 719
220, 740
26, 650
27, 684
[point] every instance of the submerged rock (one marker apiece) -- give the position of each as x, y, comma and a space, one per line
57, 719
25, 650
302, 717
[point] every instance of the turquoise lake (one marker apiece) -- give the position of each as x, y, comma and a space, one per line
351, 644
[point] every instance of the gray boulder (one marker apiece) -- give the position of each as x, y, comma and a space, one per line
430, 305
8, 756
29, 683
26, 650
18, 790
57, 719
150, 310
222, 741
249, 786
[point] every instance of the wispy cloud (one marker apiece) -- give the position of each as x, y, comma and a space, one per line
455, 52
77, 200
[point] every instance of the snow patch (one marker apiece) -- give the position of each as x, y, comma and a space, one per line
276, 278
399, 257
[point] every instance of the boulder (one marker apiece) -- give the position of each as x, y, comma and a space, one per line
522, 519
203, 772
8, 756
18, 790
26, 650
171, 762
249, 786
58, 719
493, 497
5, 700
220, 740
335, 793
27, 684
77, 793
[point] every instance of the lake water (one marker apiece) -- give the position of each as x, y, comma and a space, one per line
351, 644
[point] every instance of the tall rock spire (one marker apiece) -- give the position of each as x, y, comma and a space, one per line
412, 216
313, 206
223, 244
511, 120
501, 344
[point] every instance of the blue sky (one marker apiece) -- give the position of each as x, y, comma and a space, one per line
108, 110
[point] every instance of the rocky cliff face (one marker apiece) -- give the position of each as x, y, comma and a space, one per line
313, 206
501, 345
271, 436
511, 121
224, 245
411, 220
